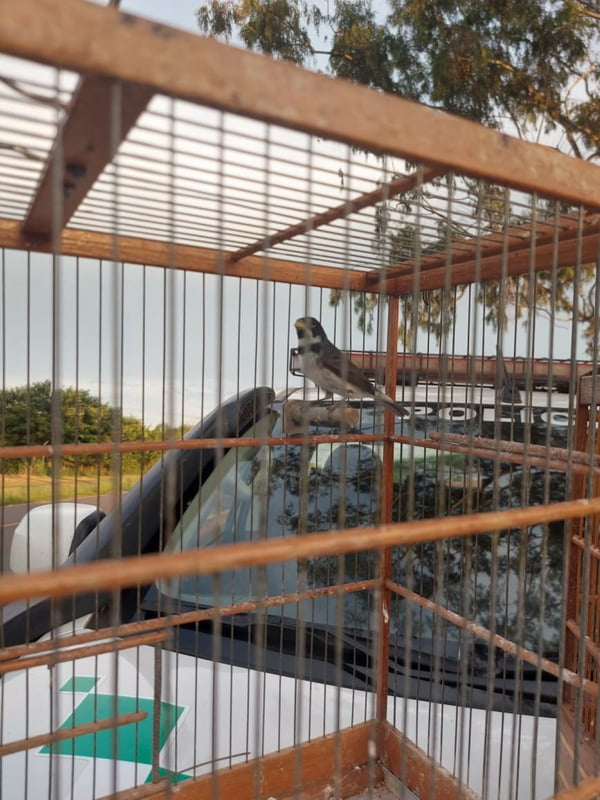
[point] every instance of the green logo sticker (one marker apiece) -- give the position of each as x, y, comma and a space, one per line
132, 742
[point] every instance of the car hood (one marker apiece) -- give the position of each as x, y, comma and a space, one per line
212, 715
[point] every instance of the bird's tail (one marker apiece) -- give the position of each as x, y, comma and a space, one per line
395, 407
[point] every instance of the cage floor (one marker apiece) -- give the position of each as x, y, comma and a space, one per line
390, 789
383, 792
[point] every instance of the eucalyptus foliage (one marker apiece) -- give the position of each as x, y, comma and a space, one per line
527, 66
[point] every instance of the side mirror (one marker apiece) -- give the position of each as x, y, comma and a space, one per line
48, 534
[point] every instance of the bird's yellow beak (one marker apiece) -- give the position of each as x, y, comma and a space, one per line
299, 324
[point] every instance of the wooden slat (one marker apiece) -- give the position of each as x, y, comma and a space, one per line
350, 784
517, 237
88, 244
416, 770
310, 766
83, 36
589, 390
493, 267
136, 570
587, 790
589, 787
161, 788
86, 141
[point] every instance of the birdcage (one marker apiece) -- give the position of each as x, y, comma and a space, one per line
236, 583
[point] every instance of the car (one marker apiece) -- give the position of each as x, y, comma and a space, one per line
309, 665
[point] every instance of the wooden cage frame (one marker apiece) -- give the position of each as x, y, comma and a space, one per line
109, 48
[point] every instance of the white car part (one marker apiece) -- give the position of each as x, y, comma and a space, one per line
43, 538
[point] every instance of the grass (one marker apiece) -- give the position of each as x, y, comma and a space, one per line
38, 488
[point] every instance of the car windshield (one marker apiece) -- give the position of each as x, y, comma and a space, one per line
279, 491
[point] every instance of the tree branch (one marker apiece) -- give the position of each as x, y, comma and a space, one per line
583, 8
582, 76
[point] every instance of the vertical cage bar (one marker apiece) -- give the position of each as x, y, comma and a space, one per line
387, 499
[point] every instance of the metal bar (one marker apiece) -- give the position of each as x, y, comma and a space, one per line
184, 618
133, 571
564, 675
514, 458
579, 489
553, 453
590, 646
84, 146
71, 733
83, 36
61, 656
387, 503
391, 189
103, 448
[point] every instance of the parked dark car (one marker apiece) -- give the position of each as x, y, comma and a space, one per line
201, 498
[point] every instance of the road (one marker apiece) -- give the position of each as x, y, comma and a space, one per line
10, 516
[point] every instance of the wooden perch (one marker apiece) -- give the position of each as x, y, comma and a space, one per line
299, 414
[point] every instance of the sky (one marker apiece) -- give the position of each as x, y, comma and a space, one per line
179, 14
172, 345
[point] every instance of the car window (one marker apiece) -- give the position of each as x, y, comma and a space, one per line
258, 492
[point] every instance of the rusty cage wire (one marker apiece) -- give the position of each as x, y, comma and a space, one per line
235, 584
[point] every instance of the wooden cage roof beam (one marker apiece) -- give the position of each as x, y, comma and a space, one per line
134, 250
151, 252
566, 252
91, 39
86, 142
509, 240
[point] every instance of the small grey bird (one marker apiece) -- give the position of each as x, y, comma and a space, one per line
332, 370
